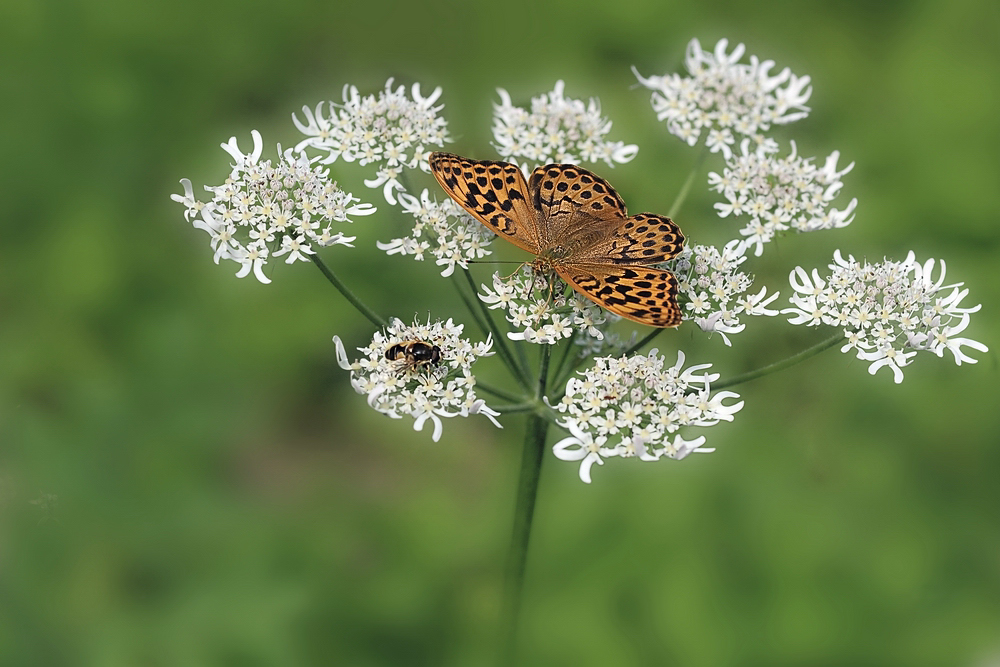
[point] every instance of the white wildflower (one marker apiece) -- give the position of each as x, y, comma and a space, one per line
714, 292
557, 129
778, 194
545, 311
633, 407
425, 392
389, 131
396, 133
724, 97
266, 210
442, 230
888, 311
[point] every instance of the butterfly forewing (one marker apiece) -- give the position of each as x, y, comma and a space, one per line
637, 293
495, 193
567, 197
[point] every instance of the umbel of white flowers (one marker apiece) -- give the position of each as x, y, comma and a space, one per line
266, 210
634, 406
888, 311
624, 406
778, 194
723, 96
426, 392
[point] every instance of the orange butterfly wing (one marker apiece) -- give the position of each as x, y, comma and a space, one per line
573, 202
495, 193
579, 209
638, 293
644, 238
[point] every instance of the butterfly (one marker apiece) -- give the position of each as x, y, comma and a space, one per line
575, 224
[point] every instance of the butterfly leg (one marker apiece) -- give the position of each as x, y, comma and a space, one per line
519, 267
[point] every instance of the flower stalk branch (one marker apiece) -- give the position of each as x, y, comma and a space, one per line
499, 393
372, 316
783, 364
686, 188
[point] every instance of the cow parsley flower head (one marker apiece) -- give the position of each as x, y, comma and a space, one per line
426, 392
633, 407
888, 311
266, 210
544, 311
390, 131
777, 194
557, 129
714, 292
725, 98
442, 230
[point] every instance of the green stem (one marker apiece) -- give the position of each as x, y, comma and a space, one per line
543, 371
521, 350
645, 339
526, 406
499, 393
524, 511
372, 316
562, 377
561, 364
783, 364
686, 188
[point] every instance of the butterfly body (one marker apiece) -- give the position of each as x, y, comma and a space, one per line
576, 225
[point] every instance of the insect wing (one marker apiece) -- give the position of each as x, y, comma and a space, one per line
638, 293
495, 193
565, 194
645, 238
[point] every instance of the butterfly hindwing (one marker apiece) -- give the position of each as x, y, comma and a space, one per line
495, 193
644, 238
639, 293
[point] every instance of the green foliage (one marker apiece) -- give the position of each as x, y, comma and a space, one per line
224, 498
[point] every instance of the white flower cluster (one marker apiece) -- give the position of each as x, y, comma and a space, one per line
264, 210
723, 97
390, 131
557, 129
397, 133
714, 291
631, 406
443, 229
543, 310
780, 193
428, 391
889, 311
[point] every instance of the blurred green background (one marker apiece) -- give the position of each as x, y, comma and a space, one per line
186, 477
